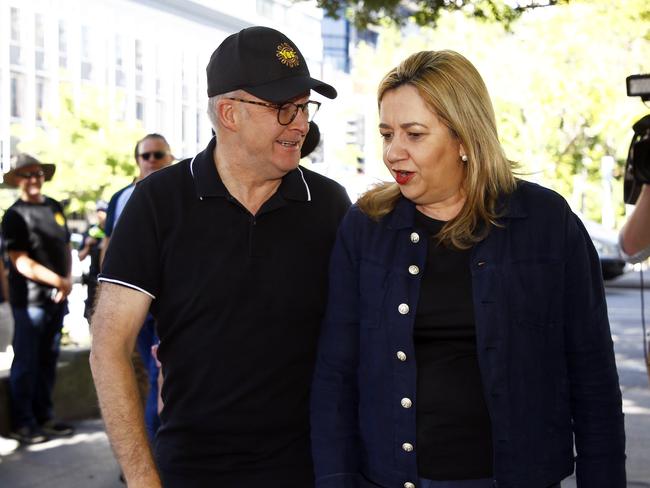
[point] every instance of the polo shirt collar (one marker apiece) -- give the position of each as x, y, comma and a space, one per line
208, 183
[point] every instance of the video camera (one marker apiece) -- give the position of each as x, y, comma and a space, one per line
637, 167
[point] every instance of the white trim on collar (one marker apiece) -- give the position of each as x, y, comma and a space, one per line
306, 185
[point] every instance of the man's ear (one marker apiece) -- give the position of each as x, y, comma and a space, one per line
226, 114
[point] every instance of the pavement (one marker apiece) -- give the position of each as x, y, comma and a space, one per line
85, 459
82, 460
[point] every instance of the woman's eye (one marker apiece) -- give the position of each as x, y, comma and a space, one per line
386, 135
414, 135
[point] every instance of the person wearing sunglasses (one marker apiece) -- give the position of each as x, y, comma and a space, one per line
37, 241
151, 153
230, 249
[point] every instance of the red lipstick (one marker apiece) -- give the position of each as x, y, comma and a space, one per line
403, 177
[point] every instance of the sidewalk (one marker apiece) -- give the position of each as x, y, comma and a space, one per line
81, 461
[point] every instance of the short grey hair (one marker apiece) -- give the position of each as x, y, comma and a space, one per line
212, 114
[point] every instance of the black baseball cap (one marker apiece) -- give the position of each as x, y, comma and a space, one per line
263, 62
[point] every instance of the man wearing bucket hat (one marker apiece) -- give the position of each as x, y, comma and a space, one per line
36, 239
230, 250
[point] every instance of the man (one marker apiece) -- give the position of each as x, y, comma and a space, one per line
152, 153
37, 240
231, 250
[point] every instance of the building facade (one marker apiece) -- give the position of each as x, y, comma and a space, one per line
149, 56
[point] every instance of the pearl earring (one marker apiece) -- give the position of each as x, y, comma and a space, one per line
463, 158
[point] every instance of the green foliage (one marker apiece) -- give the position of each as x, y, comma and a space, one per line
366, 13
92, 151
557, 81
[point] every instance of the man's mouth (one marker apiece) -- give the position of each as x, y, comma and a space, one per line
289, 143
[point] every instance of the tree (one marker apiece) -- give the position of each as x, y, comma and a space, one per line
92, 151
557, 81
365, 13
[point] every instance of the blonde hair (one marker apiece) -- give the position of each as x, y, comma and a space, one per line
454, 90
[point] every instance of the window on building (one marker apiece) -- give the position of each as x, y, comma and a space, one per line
63, 45
17, 94
139, 69
86, 54
185, 75
13, 144
264, 8
139, 108
15, 51
158, 71
160, 116
39, 42
120, 75
41, 96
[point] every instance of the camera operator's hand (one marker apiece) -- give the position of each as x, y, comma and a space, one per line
635, 234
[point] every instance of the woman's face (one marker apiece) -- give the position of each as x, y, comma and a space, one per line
419, 150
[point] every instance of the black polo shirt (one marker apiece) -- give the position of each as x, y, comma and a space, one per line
238, 301
41, 230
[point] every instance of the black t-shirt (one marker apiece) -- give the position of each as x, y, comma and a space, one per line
238, 305
40, 229
453, 426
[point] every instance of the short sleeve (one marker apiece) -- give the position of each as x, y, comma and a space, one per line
133, 254
15, 233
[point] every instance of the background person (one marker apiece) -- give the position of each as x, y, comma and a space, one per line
230, 249
466, 339
37, 240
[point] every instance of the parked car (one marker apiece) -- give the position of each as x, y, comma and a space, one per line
606, 243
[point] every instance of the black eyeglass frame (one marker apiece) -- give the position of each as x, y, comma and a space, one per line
32, 174
156, 154
279, 107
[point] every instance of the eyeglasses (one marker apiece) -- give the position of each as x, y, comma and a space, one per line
287, 111
32, 174
155, 154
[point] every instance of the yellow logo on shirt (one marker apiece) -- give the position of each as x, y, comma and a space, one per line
59, 218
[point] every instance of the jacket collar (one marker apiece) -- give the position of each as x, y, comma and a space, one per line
510, 206
208, 183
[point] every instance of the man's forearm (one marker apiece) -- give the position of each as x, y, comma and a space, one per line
119, 400
34, 271
118, 317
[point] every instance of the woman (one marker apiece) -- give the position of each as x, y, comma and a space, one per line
466, 339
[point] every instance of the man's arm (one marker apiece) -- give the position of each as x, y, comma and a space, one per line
635, 234
119, 314
35, 271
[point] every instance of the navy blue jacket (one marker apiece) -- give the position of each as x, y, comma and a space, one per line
543, 342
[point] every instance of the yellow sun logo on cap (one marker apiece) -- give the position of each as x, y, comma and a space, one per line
287, 55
